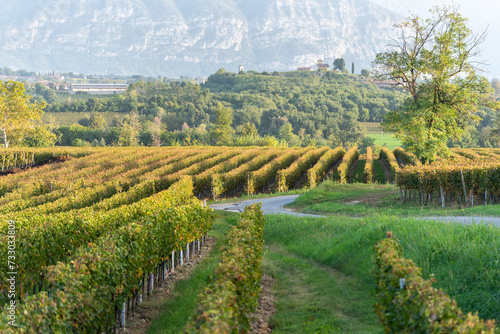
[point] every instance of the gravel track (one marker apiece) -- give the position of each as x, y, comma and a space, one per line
273, 205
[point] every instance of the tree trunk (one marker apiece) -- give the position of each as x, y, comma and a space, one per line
5, 141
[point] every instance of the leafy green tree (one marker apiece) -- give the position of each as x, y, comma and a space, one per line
352, 68
96, 121
285, 132
496, 86
39, 136
18, 115
93, 104
350, 132
128, 136
339, 64
365, 73
129, 133
433, 60
248, 130
156, 128
222, 133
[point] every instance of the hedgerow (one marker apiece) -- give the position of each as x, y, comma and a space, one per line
406, 158
286, 178
368, 170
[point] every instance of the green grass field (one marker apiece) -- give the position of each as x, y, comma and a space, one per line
463, 259
381, 138
385, 139
361, 200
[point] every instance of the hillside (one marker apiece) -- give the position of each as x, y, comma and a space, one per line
195, 38
325, 107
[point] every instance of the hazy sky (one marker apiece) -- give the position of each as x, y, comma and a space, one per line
482, 14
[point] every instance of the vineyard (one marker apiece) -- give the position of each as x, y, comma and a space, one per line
469, 177
106, 174
97, 228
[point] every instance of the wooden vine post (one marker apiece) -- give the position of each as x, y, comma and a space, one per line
443, 201
465, 190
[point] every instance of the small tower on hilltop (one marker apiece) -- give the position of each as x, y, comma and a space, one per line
321, 65
241, 69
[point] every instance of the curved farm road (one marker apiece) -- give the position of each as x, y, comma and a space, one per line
276, 205
270, 205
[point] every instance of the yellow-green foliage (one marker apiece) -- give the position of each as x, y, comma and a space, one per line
418, 307
286, 178
480, 177
48, 239
203, 181
349, 158
407, 158
390, 159
226, 304
317, 172
368, 171
239, 176
258, 179
88, 287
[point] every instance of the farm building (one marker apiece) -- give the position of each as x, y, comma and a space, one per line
99, 88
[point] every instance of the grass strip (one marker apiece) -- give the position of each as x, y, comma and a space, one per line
361, 200
314, 298
379, 172
358, 175
463, 259
182, 306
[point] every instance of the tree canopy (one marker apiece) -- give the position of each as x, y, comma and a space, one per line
222, 133
435, 61
19, 117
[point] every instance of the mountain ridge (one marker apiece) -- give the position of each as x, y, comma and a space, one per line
190, 37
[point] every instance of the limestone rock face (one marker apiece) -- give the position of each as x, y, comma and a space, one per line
189, 37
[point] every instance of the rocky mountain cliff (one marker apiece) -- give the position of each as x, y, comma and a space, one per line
189, 37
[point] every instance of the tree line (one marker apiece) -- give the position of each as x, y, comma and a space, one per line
299, 108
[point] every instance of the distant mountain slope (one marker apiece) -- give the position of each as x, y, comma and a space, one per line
188, 37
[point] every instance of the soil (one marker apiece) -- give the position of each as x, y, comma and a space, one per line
151, 307
266, 307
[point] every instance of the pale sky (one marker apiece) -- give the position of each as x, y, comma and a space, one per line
482, 14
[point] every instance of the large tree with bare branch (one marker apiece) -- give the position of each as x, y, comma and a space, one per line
435, 61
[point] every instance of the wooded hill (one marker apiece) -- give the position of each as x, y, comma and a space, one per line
326, 106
